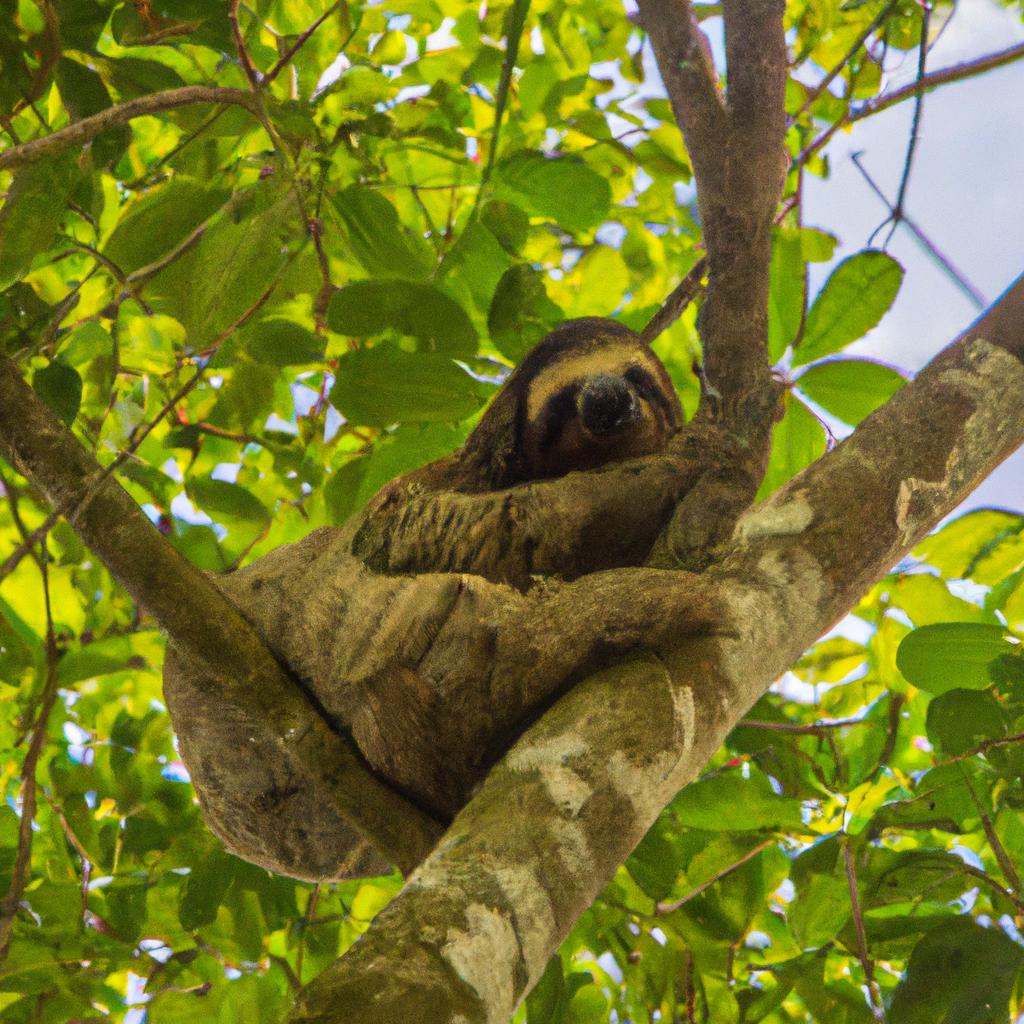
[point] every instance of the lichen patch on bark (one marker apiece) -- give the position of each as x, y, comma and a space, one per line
480, 954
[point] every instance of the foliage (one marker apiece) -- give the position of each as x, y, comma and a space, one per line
266, 319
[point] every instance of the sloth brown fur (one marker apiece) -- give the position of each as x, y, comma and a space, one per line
591, 394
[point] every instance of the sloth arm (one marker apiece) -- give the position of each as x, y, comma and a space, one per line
567, 527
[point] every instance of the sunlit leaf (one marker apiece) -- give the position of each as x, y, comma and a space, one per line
797, 440
855, 297
367, 308
850, 389
949, 655
376, 237
564, 189
32, 213
384, 385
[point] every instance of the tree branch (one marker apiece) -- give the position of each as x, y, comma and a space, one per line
79, 132
204, 626
285, 59
738, 206
944, 76
243, 51
569, 801
738, 158
684, 60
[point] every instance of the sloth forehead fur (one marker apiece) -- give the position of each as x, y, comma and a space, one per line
609, 356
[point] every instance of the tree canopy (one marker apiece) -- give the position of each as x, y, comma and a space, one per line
263, 257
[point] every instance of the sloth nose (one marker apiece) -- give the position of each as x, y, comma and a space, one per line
606, 405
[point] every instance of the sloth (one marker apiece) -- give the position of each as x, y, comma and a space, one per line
578, 465
590, 395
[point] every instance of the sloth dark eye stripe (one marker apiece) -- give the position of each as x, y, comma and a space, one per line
559, 409
648, 389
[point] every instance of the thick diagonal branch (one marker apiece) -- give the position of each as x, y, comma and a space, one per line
571, 799
203, 625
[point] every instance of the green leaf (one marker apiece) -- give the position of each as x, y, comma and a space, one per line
797, 440
224, 276
83, 93
951, 655
383, 385
205, 889
654, 863
81, 22
126, 907
60, 387
366, 308
850, 389
959, 720
474, 266
282, 343
32, 214
822, 904
856, 296
390, 48
133, 76
958, 972
111, 654
561, 188
376, 237
509, 225
787, 292
521, 312
731, 802
152, 226
973, 545
220, 498
546, 1002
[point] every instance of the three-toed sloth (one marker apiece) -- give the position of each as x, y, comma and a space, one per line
591, 394
577, 466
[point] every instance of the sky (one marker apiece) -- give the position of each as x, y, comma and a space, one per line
966, 193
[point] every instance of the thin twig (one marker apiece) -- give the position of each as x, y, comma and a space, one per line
673, 307
877, 1006
925, 242
80, 132
668, 908
19, 876
1005, 861
140, 435
243, 51
944, 76
915, 125
517, 23
984, 748
814, 93
285, 59
812, 729
896, 703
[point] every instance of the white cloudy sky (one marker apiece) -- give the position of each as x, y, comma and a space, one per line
966, 193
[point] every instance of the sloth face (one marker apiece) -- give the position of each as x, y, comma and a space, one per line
589, 393
593, 393
598, 418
